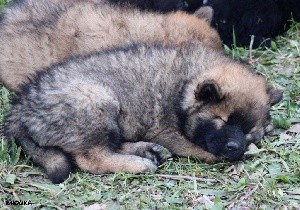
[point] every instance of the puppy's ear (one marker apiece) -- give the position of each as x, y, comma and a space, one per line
205, 13
208, 92
275, 95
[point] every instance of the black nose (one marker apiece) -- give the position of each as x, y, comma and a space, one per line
232, 146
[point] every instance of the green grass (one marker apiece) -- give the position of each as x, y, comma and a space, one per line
267, 179
3, 3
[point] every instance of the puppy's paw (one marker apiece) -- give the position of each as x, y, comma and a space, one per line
157, 153
154, 152
256, 136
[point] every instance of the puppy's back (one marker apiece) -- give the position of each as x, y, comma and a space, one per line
35, 34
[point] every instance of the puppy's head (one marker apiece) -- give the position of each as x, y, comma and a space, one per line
223, 106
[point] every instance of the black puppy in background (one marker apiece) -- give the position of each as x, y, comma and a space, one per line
264, 19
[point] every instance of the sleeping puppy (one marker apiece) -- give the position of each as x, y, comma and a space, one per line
128, 109
37, 33
264, 19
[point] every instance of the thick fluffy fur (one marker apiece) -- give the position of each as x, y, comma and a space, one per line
37, 33
264, 19
113, 111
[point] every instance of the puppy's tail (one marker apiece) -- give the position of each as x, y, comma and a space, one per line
57, 163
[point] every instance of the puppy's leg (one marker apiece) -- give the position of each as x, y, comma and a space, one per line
56, 162
102, 160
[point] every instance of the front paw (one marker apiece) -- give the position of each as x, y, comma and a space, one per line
256, 136
155, 152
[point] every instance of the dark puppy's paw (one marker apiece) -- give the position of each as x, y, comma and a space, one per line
158, 154
256, 136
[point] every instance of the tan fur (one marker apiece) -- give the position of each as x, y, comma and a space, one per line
36, 37
99, 160
133, 157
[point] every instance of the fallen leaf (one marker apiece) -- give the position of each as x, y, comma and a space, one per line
96, 206
252, 147
295, 128
284, 136
253, 150
11, 178
206, 200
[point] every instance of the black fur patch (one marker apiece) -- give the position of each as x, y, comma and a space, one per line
242, 119
154, 5
216, 141
264, 19
181, 116
203, 129
208, 93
